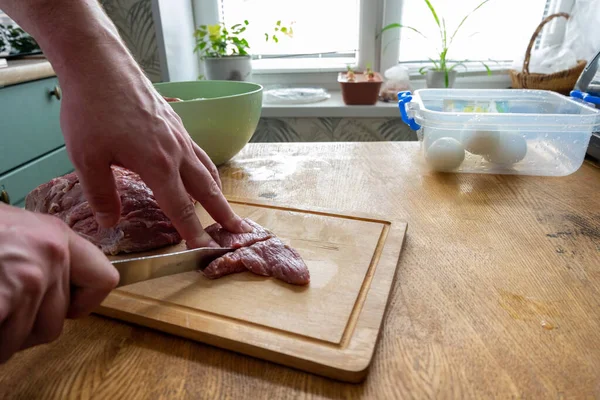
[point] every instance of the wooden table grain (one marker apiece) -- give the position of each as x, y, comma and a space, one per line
497, 292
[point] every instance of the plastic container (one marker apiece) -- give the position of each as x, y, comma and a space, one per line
504, 131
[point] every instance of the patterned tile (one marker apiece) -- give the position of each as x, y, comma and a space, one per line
332, 130
135, 23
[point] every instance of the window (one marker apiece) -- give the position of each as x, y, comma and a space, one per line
330, 34
497, 31
325, 31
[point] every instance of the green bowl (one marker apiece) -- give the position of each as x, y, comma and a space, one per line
220, 116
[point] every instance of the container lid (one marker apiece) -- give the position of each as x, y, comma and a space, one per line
587, 87
504, 109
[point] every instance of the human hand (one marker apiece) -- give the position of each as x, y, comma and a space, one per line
111, 114
141, 132
47, 273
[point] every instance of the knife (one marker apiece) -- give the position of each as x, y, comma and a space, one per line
140, 269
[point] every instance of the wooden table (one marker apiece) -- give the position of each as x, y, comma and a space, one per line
497, 293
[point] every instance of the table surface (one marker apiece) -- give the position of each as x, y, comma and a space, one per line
497, 292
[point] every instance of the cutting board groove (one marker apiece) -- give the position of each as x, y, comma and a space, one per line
366, 285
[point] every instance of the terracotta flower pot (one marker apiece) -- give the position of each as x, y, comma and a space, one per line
360, 89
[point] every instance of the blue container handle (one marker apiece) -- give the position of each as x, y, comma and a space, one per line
585, 97
403, 99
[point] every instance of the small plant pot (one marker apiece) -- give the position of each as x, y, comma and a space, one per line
361, 90
229, 68
436, 79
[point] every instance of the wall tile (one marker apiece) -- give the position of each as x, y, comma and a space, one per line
134, 20
332, 130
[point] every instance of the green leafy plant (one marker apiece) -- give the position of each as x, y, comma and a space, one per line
441, 63
350, 75
369, 72
218, 40
15, 40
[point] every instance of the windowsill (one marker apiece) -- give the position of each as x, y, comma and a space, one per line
334, 107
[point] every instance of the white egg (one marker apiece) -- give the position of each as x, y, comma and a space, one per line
430, 135
511, 149
479, 142
445, 154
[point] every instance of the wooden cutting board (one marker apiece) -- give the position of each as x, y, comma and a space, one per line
329, 327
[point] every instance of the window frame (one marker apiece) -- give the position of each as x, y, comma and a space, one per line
374, 14
207, 12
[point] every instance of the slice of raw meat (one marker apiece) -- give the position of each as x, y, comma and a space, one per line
230, 263
268, 258
236, 240
142, 226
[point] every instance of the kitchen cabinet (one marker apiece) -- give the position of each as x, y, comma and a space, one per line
32, 149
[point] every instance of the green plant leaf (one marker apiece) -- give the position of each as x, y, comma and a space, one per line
202, 45
267, 37
456, 65
435, 64
489, 71
465, 18
397, 25
278, 23
444, 34
276, 39
236, 26
246, 22
437, 20
422, 70
284, 29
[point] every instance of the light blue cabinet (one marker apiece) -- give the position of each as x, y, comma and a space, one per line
32, 147
30, 123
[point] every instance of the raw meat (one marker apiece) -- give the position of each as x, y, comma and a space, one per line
273, 258
236, 240
143, 226
230, 263
259, 252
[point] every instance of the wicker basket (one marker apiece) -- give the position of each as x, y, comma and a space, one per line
561, 82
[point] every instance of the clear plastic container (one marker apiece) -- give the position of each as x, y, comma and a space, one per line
512, 131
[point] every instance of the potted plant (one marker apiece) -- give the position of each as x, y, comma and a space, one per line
224, 50
360, 88
442, 74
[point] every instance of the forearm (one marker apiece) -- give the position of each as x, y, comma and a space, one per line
76, 36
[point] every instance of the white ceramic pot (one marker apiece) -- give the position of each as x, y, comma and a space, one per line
230, 68
436, 79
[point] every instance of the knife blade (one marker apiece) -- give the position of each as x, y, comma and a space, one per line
140, 269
